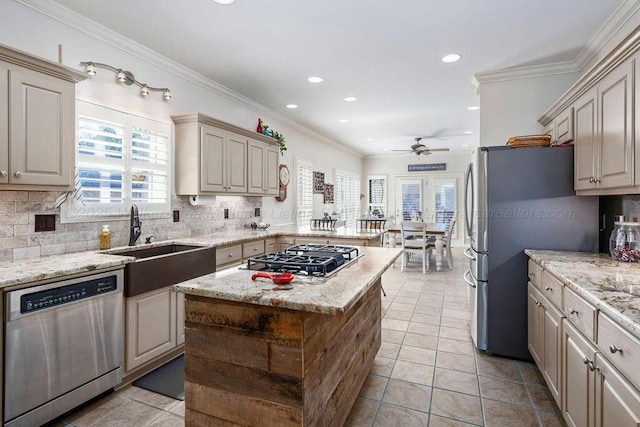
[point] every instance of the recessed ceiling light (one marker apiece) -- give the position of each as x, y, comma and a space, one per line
452, 57
315, 79
475, 107
369, 139
344, 121
468, 132
465, 145
292, 106
224, 1
350, 98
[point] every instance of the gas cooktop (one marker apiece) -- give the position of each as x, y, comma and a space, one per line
309, 259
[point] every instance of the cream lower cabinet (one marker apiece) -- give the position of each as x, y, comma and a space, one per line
617, 403
262, 169
154, 325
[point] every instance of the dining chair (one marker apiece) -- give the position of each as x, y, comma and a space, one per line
446, 239
414, 241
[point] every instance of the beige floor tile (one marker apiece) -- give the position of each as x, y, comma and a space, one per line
390, 415
382, 366
458, 406
430, 300
402, 307
454, 323
456, 314
542, 398
552, 419
133, 414
424, 356
422, 341
373, 387
500, 414
456, 362
531, 373
437, 421
413, 372
457, 305
411, 298
130, 392
423, 328
504, 391
168, 420
362, 414
455, 333
455, 346
395, 325
96, 410
408, 395
497, 367
398, 315
425, 309
426, 318
391, 336
462, 382
389, 350
178, 409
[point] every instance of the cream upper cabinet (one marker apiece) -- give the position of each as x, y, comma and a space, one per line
585, 142
561, 129
214, 157
37, 123
262, 168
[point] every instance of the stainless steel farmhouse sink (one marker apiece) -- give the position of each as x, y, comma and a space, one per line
163, 265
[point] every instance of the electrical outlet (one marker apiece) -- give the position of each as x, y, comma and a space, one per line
176, 216
256, 212
45, 222
226, 214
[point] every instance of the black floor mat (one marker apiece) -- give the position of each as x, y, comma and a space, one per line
168, 379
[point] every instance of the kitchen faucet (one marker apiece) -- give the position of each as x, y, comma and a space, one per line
135, 229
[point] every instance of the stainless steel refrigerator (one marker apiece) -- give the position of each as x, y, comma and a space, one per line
517, 198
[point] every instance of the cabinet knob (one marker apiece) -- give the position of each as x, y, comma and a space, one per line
3, 173
613, 349
18, 174
585, 360
591, 180
548, 289
573, 311
532, 274
592, 366
230, 255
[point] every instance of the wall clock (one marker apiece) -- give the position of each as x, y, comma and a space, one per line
284, 177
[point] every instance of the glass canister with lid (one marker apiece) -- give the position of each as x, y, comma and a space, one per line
624, 243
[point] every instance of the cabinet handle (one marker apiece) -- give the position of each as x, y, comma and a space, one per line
598, 181
585, 360
573, 311
613, 349
591, 180
230, 255
3, 173
532, 274
548, 289
18, 174
592, 366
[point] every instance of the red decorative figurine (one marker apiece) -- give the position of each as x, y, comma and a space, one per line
259, 128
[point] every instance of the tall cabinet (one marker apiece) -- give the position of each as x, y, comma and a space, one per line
37, 122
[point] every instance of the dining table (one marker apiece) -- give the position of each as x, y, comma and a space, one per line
437, 230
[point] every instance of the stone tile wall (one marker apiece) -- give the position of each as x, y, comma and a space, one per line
18, 239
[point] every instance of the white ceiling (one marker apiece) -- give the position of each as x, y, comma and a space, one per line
386, 53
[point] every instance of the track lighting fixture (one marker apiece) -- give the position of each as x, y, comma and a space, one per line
127, 78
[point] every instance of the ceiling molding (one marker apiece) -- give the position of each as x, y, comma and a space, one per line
606, 32
527, 72
106, 35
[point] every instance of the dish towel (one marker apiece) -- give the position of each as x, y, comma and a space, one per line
75, 194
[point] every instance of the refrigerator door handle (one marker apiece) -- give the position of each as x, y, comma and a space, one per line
468, 281
468, 191
467, 253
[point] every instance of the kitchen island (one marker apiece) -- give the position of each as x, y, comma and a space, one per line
255, 355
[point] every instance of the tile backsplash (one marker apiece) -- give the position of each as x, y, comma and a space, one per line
18, 239
631, 207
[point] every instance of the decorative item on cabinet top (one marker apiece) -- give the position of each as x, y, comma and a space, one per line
318, 182
264, 130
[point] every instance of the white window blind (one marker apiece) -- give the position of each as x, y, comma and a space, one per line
445, 200
377, 195
121, 159
347, 197
304, 192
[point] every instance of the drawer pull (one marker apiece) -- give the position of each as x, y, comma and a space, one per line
573, 311
3, 173
592, 366
549, 289
613, 349
230, 255
18, 174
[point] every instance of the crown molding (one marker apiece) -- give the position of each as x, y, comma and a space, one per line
98, 31
627, 10
527, 72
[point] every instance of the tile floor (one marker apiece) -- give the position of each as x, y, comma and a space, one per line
427, 371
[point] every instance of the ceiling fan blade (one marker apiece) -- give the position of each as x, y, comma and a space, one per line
437, 149
406, 151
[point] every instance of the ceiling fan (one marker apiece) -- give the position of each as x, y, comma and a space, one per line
419, 148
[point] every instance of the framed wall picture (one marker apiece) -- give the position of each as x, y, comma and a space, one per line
328, 193
318, 182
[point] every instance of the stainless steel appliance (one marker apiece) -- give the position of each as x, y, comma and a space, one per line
63, 346
517, 199
307, 259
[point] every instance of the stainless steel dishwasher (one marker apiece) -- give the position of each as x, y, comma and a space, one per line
63, 346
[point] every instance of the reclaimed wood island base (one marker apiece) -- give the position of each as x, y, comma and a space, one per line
251, 364
258, 355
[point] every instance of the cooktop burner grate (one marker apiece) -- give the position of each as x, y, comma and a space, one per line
316, 260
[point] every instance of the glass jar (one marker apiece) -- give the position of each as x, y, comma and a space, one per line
624, 242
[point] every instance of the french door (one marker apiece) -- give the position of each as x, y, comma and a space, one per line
409, 199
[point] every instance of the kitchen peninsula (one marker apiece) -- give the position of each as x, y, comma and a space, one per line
255, 355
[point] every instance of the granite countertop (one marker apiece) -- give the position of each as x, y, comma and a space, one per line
611, 286
331, 295
57, 266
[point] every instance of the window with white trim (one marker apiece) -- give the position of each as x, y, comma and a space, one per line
304, 192
445, 200
121, 159
377, 195
347, 197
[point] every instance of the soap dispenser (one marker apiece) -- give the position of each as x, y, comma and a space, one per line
105, 238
